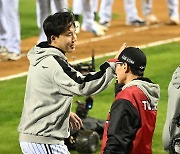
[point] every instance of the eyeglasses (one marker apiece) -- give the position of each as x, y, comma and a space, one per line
118, 62
121, 63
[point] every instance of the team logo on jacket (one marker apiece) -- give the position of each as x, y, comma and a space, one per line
148, 106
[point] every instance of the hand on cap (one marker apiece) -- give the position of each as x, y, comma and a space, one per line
120, 50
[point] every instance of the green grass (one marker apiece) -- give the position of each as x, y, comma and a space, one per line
11, 94
162, 61
27, 11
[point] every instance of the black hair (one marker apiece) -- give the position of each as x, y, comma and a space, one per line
58, 23
136, 71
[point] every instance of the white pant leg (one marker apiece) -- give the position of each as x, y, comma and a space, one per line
14, 38
95, 5
42, 11
130, 10
31, 148
147, 7
173, 8
59, 5
77, 7
36, 148
3, 25
105, 11
88, 15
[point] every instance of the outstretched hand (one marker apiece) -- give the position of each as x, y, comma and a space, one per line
75, 121
120, 50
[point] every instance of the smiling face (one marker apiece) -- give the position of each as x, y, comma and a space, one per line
65, 41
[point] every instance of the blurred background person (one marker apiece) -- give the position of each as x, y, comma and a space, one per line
173, 8
132, 17
171, 131
10, 39
43, 9
105, 12
147, 10
88, 9
77, 10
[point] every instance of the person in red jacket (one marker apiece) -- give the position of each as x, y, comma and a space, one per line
131, 121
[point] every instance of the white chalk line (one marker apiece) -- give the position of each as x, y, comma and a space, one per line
109, 36
176, 39
118, 34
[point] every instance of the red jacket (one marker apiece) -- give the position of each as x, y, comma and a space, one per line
130, 124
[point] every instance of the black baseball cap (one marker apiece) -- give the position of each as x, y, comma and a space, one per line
134, 57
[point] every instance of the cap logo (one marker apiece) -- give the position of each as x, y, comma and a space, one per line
142, 67
128, 59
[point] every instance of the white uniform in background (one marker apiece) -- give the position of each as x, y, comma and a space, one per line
87, 15
147, 10
43, 9
171, 131
10, 38
87, 8
147, 7
130, 10
95, 5
173, 8
105, 12
77, 10
132, 17
77, 7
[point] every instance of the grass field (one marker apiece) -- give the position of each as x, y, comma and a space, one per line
162, 61
27, 11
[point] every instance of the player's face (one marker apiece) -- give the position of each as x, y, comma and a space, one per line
120, 73
66, 41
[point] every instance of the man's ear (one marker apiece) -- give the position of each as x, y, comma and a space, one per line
125, 67
53, 38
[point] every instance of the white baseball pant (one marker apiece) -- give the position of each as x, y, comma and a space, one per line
10, 25
43, 9
36, 148
173, 8
105, 11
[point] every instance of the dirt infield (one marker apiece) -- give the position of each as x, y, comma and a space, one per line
115, 36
